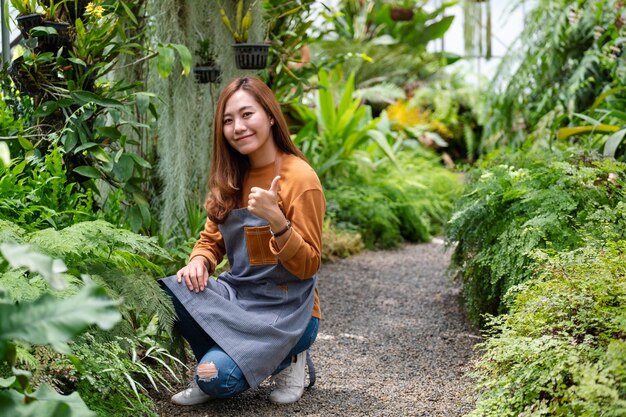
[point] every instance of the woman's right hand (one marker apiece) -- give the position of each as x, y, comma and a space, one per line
195, 274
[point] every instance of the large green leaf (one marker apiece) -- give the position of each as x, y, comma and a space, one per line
54, 321
185, 56
165, 61
25, 256
436, 30
566, 132
84, 97
611, 144
48, 403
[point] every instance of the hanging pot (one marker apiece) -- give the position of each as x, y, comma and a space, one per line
251, 55
27, 22
23, 80
207, 74
400, 14
53, 42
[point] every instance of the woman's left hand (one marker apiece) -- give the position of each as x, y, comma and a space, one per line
264, 203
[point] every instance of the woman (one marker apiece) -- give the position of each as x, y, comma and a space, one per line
265, 212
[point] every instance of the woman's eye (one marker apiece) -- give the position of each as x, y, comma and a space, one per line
227, 121
247, 114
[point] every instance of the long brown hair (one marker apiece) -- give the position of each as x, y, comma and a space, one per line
228, 166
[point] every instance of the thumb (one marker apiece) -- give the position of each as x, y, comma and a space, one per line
275, 187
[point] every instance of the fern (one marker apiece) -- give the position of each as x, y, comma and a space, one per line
392, 204
120, 260
525, 204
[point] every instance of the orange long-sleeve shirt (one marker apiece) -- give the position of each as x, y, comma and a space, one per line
303, 203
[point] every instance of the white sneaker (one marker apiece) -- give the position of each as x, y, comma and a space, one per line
191, 396
289, 383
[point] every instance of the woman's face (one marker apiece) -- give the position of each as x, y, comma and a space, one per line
248, 128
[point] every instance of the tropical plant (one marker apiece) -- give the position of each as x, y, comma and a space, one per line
24, 7
36, 194
607, 131
118, 364
568, 55
45, 321
290, 69
560, 351
337, 128
240, 25
522, 202
93, 120
454, 112
115, 258
364, 38
390, 203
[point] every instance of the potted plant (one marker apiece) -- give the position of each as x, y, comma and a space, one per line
401, 11
27, 16
207, 70
53, 33
247, 55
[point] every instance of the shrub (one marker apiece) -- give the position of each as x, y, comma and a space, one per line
561, 350
410, 200
36, 194
521, 203
337, 243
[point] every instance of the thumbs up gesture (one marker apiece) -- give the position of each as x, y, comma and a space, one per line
264, 203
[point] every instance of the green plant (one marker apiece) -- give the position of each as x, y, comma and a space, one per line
290, 68
239, 27
410, 201
205, 52
522, 202
115, 258
337, 128
337, 243
568, 55
24, 7
45, 321
365, 39
560, 350
114, 375
36, 194
606, 132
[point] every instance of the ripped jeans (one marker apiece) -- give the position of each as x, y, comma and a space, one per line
217, 374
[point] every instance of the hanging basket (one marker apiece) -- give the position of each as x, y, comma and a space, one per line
27, 22
54, 42
400, 14
251, 55
207, 74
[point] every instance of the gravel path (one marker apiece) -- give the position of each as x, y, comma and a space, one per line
393, 341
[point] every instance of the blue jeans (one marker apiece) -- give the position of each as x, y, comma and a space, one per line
229, 380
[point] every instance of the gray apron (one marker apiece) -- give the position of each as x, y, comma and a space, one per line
257, 311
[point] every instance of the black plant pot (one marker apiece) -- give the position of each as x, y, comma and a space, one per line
207, 74
251, 55
400, 14
27, 22
53, 42
22, 79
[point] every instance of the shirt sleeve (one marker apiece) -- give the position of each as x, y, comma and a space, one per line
210, 245
302, 252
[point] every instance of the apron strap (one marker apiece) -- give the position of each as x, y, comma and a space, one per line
311, 366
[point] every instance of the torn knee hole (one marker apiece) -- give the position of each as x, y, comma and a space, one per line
207, 371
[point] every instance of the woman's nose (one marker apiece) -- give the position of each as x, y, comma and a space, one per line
239, 125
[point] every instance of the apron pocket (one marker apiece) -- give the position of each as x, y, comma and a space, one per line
258, 244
